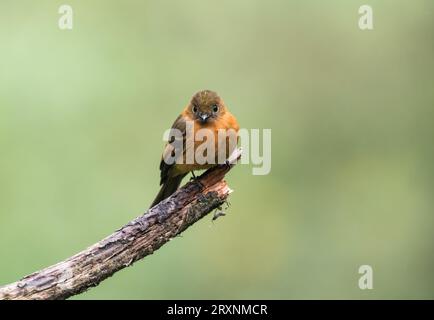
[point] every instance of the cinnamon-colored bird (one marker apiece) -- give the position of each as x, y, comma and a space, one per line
206, 110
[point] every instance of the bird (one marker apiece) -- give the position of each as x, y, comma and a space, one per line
206, 110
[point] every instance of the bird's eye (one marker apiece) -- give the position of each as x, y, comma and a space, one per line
215, 108
194, 109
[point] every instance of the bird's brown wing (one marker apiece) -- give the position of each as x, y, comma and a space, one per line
179, 124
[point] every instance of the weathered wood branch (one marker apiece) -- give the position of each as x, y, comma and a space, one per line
134, 241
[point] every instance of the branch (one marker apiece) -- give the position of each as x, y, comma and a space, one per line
134, 241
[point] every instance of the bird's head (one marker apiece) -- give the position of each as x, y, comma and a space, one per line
206, 106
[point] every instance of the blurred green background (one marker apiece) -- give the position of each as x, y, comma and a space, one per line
82, 114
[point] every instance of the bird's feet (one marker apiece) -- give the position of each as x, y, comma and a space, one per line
193, 176
226, 164
196, 180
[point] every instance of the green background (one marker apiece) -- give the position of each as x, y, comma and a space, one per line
82, 114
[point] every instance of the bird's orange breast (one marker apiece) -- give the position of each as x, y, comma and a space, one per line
225, 122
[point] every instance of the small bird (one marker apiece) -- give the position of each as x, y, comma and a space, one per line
206, 110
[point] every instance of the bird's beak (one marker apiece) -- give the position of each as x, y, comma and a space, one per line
204, 117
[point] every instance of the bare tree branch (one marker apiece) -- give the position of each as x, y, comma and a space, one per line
134, 241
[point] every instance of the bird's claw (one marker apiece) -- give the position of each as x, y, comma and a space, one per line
200, 184
196, 180
227, 164
193, 176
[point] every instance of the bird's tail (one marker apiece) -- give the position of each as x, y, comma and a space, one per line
167, 189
